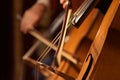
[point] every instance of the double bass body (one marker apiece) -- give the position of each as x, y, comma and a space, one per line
81, 44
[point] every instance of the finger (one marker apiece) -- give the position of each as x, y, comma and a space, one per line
65, 4
26, 25
62, 1
27, 29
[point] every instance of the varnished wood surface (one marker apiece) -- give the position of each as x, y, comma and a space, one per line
77, 38
85, 38
108, 65
100, 38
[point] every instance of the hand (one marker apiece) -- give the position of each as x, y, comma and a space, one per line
31, 17
64, 3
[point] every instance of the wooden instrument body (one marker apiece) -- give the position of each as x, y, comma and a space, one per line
79, 43
72, 46
82, 40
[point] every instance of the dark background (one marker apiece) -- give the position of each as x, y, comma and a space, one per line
6, 40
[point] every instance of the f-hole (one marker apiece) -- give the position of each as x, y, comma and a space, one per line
88, 60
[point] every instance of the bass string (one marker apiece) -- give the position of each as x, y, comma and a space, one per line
48, 48
58, 53
60, 35
36, 72
45, 52
81, 8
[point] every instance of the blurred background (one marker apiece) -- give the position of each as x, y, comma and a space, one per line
14, 43
12, 39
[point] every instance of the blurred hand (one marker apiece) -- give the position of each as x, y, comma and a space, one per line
31, 17
64, 3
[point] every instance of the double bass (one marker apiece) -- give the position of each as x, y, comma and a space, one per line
83, 41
